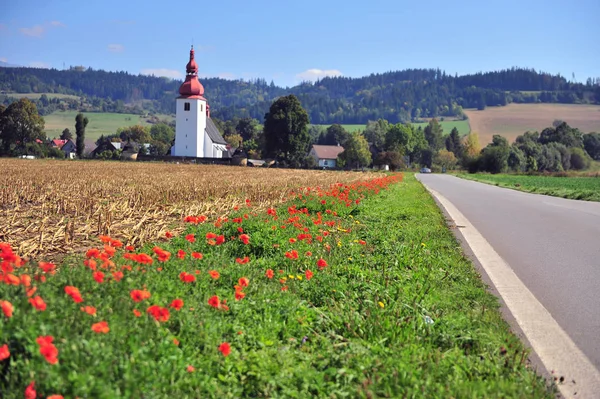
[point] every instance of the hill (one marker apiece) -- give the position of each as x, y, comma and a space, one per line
399, 96
515, 119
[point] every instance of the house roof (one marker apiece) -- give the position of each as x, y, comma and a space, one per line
214, 133
59, 143
327, 151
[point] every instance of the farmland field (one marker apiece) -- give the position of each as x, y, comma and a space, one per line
515, 119
581, 188
462, 126
100, 122
355, 290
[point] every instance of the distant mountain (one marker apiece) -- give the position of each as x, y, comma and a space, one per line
396, 96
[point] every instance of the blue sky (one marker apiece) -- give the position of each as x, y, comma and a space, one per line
289, 41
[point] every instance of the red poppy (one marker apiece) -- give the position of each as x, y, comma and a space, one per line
130, 248
177, 304
240, 230
91, 263
284, 288
117, 276
308, 274
38, 303
139, 295
93, 253
220, 239
243, 281
137, 313
55, 397
225, 349
47, 348
245, 238
191, 238
292, 240
321, 264
239, 295
361, 242
162, 255
25, 280
214, 274
197, 255
11, 279
243, 261
89, 310
269, 273
98, 276
308, 254
181, 254
100, 327
105, 239
190, 369
168, 234
186, 277
293, 254
47, 267
160, 314
110, 251
4, 352
31, 291
30, 392
210, 236
74, 293
214, 301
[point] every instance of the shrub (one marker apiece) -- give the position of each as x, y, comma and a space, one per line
579, 159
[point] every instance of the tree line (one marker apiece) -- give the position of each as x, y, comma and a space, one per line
401, 96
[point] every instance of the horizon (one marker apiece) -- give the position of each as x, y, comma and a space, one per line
261, 40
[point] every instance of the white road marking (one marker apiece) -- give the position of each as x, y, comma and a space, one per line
555, 349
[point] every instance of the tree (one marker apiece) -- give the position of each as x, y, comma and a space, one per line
471, 145
445, 159
494, 157
235, 140
20, 124
390, 158
247, 128
563, 134
163, 133
336, 134
398, 138
136, 133
286, 130
433, 135
591, 143
453, 143
516, 159
579, 159
81, 122
356, 151
375, 132
66, 134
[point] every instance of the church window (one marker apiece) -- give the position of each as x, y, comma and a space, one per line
186, 106
201, 107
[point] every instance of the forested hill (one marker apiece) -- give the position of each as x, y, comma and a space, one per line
396, 96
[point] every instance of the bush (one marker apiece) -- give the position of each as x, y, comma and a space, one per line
55, 152
579, 159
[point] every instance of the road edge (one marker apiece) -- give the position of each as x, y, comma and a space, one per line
553, 350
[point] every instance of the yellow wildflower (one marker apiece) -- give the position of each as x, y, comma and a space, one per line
381, 305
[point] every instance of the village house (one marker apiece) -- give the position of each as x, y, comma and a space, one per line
67, 146
326, 155
195, 133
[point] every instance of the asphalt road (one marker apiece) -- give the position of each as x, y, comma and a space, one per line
552, 244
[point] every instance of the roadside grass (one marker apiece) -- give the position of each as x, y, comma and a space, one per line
100, 123
397, 312
578, 188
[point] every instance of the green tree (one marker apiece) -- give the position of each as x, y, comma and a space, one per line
81, 122
398, 138
591, 143
136, 133
286, 130
453, 143
247, 128
163, 133
434, 135
20, 124
445, 159
494, 157
336, 134
235, 140
356, 151
579, 159
391, 158
517, 161
66, 134
375, 132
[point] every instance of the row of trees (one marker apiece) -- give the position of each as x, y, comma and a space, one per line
401, 96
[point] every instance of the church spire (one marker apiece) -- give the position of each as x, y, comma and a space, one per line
191, 86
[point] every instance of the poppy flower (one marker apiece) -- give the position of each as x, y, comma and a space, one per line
55, 397
47, 348
190, 369
243, 261
162, 255
31, 291
214, 301
292, 240
99, 277
177, 304
214, 274
239, 295
308, 254
269, 273
4, 352
38, 303
240, 230
74, 293
321, 264
181, 254
109, 251
47, 267
130, 248
197, 255
105, 239
139, 295
220, 240
160, 314
176, 341
11, 279
25, 280
308, 274
186, 277
245, 238
93, 253
284, 288
243, 281
225, 349
362, 242
117, 276
168, 234
100, 327
89, 310
91, 263
211, 236
137, 313
30, 392
191, 238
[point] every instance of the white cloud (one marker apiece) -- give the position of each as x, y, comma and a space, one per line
168, 73
40, 30
39, 64
316, 74
116, 48
34, 31
3, 59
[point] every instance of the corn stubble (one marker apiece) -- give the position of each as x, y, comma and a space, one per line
51, 208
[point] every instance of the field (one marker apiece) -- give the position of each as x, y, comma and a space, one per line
462, 126
580, 188
355, 290
100, 122
515, 119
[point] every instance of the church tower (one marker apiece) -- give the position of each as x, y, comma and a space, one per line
191, 115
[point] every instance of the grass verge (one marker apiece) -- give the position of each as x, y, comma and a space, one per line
371, 297
579, 188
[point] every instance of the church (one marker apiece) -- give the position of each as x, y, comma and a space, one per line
195, 133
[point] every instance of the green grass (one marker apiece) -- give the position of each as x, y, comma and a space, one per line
462, 126
101, 123
580, 188
404, 315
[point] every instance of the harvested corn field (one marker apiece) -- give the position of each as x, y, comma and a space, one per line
50, 208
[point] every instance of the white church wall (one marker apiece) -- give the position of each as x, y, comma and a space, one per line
188, 141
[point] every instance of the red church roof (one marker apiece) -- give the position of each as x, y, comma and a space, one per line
191, 87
